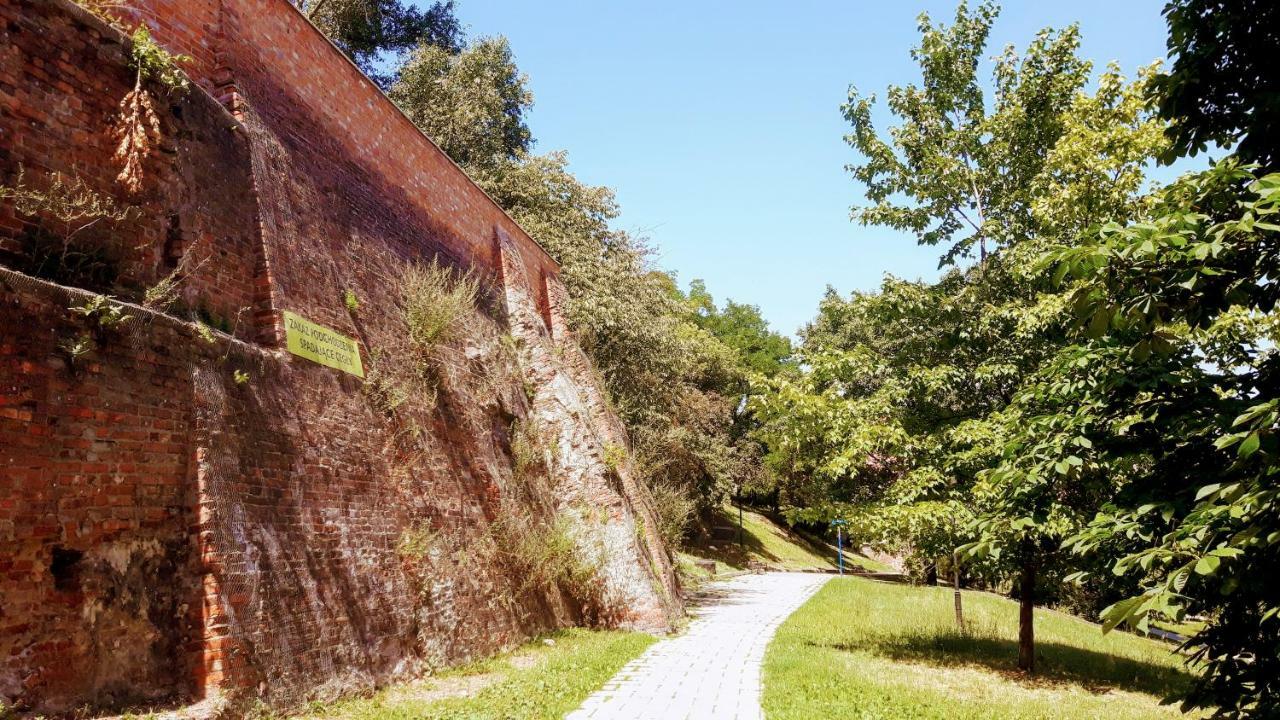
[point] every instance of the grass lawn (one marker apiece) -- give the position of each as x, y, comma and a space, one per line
537, 681
774, 545
863, 649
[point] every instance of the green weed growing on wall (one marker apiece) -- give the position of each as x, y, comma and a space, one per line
437, 301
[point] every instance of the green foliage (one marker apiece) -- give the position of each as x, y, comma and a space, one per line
370, 30
205, 332
103, 312
436, 302
350, 300
153, 63
742, 328
76, 348
1222, 87
1177, 424
1103, 381
675, 509
472, 103
908, 396
955, 172
240, 377
614, 457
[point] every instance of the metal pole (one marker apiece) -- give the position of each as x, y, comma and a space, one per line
840, 547
739, 495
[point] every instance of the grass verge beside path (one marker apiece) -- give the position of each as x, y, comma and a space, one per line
538, 681
862, 649
773, 545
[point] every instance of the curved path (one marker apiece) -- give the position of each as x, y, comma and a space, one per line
712, 670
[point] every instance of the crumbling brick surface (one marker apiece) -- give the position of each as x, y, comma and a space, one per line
99, 588
188, 512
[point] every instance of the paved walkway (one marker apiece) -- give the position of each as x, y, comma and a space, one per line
712, 670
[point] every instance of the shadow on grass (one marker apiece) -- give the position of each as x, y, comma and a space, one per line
728, 551
1056, 663
753, 547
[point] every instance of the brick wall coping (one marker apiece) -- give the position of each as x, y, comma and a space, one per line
138, 11
384, 98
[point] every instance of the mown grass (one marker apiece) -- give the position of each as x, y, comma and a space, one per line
536, 682
773, 545
863, 649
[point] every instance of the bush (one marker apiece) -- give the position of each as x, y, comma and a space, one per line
674, 509
436, 301
545, 557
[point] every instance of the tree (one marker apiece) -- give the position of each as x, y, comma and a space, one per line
742, 328
368, 30
1167, 394
1222, 87
1045, 161
964, 170
472, 103
1169, 400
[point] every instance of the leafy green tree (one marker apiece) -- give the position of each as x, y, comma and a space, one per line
471, 103
1162, 404
955, 172
1165, 406
370, 30
1045, 160
1222, 87
742, 328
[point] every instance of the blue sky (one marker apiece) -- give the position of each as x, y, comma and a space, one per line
718, 123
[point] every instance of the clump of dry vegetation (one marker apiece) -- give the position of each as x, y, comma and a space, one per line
544, 556
75, 242
137, 128
437, 301
109, 11
165, 293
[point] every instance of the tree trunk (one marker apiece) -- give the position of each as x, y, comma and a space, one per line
955, 580
1026, 619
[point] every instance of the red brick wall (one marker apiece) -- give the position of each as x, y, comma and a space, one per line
284, 66
99, 587
167, 530
62, 76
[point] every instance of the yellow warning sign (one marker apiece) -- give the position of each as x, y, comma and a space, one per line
320, 344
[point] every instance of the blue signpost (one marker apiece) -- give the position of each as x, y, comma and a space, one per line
839, 526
